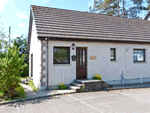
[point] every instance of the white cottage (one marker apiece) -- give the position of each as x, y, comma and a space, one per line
65, 45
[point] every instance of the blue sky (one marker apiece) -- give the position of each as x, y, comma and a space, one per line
15, 13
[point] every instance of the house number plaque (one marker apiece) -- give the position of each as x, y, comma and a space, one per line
93, 57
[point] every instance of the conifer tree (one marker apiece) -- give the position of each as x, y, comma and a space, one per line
122, 8
10, 67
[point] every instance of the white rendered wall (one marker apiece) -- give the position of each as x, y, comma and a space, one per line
35, 49
110, 70
148, 18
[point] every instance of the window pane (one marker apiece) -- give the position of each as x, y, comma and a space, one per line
61, 55
112, 54
83, 57
138, 55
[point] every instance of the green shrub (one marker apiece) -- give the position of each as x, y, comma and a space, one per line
10, 67
31, 84
25, 71
62, 86
97, 77
1, 94
26, 77
21, 43
21, 92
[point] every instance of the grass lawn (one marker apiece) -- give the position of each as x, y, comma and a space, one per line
27, 77
31, 84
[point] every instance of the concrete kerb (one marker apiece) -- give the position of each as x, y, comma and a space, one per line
56, 94
144, 83
32, 98
121, 88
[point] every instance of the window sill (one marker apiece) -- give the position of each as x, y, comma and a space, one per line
113, 61
62, 64
140, 62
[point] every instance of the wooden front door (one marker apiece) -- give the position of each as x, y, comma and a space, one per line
81, 62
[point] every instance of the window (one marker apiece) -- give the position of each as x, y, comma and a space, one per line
61, 55
112, 54
139, 55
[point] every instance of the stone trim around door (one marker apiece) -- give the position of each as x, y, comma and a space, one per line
43, 64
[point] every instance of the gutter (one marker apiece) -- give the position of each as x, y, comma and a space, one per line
47, 60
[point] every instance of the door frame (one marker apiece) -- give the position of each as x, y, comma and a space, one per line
85, 60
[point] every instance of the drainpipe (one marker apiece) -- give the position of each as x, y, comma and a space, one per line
47, 60
126, 50
122, 79
141, 76
125, 61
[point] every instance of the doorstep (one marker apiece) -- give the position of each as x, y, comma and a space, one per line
87, 81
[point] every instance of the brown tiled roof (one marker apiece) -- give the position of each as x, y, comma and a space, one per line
61, 23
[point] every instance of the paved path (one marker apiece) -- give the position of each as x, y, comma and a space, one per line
30, 93
116, 101
27, 88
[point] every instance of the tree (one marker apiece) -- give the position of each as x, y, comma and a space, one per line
108, 7
10, 67
3, 42
122, 8
21, 43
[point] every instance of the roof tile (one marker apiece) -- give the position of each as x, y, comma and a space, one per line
61, 23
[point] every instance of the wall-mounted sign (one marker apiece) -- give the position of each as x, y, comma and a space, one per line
93, 57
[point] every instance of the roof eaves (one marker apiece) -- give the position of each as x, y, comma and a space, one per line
95, 39
30, 28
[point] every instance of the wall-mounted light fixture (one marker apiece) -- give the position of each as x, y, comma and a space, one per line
73, 46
